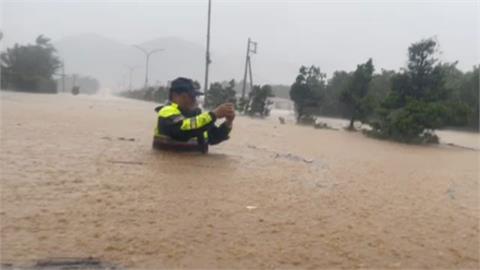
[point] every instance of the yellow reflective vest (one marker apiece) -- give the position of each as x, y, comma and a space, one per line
176, 130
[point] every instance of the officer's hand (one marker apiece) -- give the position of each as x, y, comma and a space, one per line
220, 111
230, 116
230, 111
223, 110
229, 119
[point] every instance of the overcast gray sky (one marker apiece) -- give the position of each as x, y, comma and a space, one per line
332, 34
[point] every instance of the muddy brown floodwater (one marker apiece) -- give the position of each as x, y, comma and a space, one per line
79, 180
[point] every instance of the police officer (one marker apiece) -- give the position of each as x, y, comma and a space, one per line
182, 126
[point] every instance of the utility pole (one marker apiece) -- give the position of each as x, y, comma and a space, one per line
250, 73
207, 54
63, 76
147, 59
251, 48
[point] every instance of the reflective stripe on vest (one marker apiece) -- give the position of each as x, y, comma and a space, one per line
172, 111
195, 122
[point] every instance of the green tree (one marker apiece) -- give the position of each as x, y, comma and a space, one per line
463, 100
416, 106
331, 105
30, 67
380, 86
469, 95
219, 93
307, 92
355, 96
258, 100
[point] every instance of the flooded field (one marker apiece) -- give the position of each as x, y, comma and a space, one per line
462, 139
79, 179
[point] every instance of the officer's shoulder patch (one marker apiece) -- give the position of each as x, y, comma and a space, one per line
168, 111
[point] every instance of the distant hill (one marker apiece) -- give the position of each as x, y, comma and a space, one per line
96, 56
180, 58
107, 60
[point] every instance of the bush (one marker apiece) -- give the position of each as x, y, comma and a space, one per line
413, 123
258, 101
418, 102
219, 93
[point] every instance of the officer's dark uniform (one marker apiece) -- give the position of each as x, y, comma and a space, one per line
186, 131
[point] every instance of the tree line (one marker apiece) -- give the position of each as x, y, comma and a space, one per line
32, 68
257, 102
158, 94
406, 106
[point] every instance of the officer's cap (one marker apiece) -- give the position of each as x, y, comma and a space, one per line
185, 85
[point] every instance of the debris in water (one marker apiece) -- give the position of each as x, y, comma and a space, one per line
126, 162
126, 139
251, 146
73, 263
462, 147
451, 193
322, 125
278, 155
293, 157
251, 207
